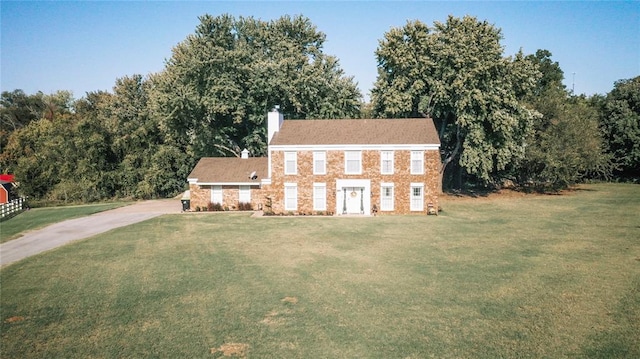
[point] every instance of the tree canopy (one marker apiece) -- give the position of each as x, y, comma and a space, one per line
213, 95
620, 122
456, 73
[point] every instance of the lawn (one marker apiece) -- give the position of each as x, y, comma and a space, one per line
516, 276
40, 217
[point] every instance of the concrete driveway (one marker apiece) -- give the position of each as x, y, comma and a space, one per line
61, 233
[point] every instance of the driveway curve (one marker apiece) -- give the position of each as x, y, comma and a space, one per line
61, 233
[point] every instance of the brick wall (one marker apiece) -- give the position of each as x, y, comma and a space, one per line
401, 179
201, 196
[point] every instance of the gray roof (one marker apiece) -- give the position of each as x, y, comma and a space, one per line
230, 169
357, 132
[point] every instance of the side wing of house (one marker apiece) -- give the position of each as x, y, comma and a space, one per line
354, 166
227, 183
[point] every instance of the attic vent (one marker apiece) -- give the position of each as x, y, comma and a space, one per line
245, 153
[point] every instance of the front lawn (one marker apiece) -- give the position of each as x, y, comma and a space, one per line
523, 276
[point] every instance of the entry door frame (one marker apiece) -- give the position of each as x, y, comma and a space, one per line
364, 184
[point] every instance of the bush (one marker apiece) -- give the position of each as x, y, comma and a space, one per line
217, 207
245, 206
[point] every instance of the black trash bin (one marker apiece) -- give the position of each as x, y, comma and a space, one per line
186, 205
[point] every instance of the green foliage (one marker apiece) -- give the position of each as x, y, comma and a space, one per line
620, 122
455, 73
220, 82
566, 145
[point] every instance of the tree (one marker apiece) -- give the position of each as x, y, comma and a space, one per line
214, 93
455, 73
565, 145
17, 110
620, 122
551, 73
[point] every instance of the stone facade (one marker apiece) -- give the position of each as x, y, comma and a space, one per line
401, 179
201, 197
302, 191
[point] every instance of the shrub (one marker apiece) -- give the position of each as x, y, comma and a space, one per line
245, 206
217, 207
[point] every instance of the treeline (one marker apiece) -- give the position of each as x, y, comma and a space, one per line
502, 120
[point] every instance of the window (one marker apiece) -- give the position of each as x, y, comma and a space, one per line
319, 197
386, 162
417, 197
244, 195
319, 163
417, 162
352, 162
386, 197
290, 197
216, 194
290, 163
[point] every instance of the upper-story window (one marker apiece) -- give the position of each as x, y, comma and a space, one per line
386, 162
417, 162
290, 163
319, 163
353, 162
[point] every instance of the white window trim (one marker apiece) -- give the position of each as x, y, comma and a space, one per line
216, 190
295, 162
244, 190
320, 155
411, 197
293, 186
320, 205
359, 171
393, 195
382, 159
420, 157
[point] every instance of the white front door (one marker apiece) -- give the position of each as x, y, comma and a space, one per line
353, 200
353, 196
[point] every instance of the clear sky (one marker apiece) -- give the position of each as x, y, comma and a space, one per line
84, 46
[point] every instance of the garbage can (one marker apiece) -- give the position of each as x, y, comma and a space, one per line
186, 204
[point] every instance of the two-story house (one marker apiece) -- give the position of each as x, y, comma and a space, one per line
344, 167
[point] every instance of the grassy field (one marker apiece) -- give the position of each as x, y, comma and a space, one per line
517, 276
40, 217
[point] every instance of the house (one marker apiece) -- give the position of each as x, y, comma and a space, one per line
342, 167
230, 182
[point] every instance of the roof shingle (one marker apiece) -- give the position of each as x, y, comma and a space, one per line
357, 132
230, 169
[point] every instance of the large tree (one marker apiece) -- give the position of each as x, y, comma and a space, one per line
565, 145
455, 72
620, 122
213, 95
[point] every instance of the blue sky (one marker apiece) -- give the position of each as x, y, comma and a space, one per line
84, 46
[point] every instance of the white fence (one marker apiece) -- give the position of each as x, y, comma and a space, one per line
9, 208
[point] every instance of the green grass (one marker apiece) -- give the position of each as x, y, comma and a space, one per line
40, 217
533, 276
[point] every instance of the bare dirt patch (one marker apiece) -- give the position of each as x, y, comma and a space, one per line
291, 300
14, 319
232, 350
